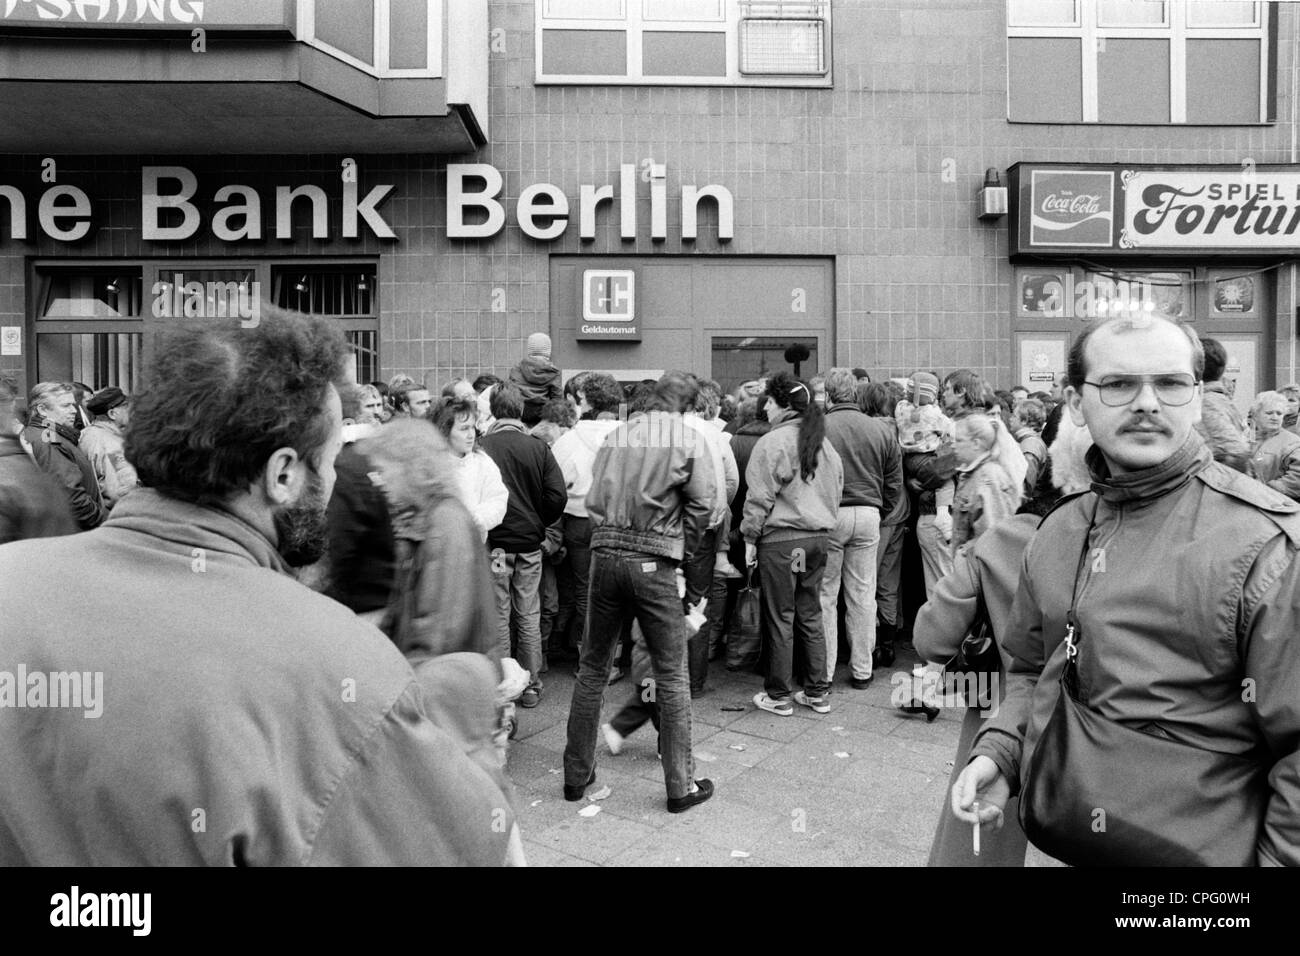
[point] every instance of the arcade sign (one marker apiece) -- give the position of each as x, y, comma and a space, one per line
1127, 210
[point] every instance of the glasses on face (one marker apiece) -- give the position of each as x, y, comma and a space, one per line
1171, 389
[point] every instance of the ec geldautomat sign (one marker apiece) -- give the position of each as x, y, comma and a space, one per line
1127, 210
608, 306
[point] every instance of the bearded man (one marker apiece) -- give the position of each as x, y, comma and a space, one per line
228, 714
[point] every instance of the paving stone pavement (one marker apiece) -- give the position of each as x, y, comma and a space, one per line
860, 786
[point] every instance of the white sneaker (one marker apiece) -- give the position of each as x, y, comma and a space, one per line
820, 705
613, 739
781, 708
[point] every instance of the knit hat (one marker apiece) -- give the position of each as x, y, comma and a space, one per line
539, 345
923, 383
105, 400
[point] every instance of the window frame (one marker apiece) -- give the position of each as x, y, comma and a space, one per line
635, 24
306, 33
1092, 39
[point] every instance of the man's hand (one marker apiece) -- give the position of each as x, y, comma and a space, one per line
751, 554
982, 781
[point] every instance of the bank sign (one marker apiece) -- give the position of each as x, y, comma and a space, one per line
1132, 210
608, 306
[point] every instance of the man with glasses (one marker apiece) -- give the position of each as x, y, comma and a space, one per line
1171, 588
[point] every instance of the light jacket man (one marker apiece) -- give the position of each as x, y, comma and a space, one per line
105, 446
1222, 427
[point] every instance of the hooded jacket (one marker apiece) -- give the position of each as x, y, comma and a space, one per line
536, 486
1196, 594
539, 382
780, 504
56, 451
229, 688
575, 453
32, 505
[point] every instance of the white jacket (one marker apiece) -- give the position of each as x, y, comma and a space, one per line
575, 452
482, 490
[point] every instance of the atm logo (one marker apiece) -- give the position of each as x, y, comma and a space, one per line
1071, 207
609, 295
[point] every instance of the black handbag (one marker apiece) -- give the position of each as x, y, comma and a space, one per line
1100, 793
978, 657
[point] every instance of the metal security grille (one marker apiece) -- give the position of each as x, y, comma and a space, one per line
782, 46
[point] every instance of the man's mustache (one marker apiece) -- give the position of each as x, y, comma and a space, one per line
1145, 423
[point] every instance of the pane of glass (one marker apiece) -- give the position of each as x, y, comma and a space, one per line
584, 9
1043, 293
343, 290
365, 352
1130, 13
1133, 81
1042, 13
1223, 81
740, 360
100, 295
97, 359
682, 9
1222, 14
683, 53
348, 25
781, 46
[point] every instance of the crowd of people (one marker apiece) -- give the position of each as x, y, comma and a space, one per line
1126, 534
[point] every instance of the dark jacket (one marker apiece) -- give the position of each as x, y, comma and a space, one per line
298, 729
1195, 595
742, 446
32, 505
991, 568
539, 382
535, 482
653, 487
931, 470
869, 452
56, 451
361, 551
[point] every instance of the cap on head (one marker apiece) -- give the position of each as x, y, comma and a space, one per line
923, 383
539, 345
105, 400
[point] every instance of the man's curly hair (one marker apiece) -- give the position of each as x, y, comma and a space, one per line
218, 401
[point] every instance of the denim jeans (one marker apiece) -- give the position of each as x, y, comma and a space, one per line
851, 556
626, 585
577, 541
791, 606
936, 554
889, 570
517, 580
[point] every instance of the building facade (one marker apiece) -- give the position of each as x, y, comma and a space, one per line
656, 183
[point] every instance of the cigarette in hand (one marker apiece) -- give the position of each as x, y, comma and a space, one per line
975, 831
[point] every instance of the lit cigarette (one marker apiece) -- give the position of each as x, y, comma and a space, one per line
975, 829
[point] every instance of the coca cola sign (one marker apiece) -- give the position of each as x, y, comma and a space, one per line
1071, 207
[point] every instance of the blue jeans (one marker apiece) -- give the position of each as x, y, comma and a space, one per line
626, 585
517, 581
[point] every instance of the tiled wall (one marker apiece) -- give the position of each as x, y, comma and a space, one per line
882, 172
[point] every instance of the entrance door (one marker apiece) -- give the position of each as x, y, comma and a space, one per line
740, 359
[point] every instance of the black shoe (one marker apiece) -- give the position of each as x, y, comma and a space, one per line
860, 683
883, 655
703, 790
574, 794
918, 706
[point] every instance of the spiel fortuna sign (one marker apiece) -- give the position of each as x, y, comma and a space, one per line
171, 197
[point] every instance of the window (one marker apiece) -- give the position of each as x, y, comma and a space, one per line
346, 292
684, 42
98, 323
1140, 62
89, 327
385, 38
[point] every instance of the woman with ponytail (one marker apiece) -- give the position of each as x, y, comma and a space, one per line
794, 480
